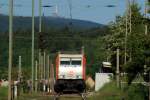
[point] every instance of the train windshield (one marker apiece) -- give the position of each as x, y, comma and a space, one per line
78, 62
65, 62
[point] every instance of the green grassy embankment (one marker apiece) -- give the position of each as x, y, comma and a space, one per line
3, 93
131, 92
108, 92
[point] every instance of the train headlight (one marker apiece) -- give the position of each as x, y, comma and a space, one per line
62, 76
78, 76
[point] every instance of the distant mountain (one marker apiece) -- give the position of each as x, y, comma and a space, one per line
24, 23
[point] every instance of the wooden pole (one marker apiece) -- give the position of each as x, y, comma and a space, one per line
126, 34
117, 69
146, 32
36, 78
52, 78
39, 67
10, 46
40, 15
20, 69
44, 74
146, 27
82, 51
130, 22
149, 85
130, 11
32, 57
48, 71
44, 65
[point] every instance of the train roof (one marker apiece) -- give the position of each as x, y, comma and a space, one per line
70, 55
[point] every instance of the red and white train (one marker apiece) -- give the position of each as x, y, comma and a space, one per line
70, 73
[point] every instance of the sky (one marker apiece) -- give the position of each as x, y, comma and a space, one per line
91, 10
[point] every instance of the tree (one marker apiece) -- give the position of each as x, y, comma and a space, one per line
148, 8
43, 41
136, 42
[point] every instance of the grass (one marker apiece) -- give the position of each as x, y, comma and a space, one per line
108, 92
40, 96
35, 96
3, 93
111, 92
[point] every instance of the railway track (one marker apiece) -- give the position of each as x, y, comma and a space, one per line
83, 96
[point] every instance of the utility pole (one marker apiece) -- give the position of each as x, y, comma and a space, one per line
20, 69
149, 85
36, 78
130, 11
82, 50
32, 45
51, 78
117, 69
40, 15
48, 71
44, 65
40, 30
70, 9
40, 69
10, 46
126, 34
146, 30
43, 70
130, 21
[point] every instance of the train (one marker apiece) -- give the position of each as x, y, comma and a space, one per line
70, 72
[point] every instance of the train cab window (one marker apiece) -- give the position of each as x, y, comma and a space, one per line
76, 62
65, 62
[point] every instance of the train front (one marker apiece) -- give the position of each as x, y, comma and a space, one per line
70, 73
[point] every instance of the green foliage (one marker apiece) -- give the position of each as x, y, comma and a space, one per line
137, 92
96, 54
111, 92
133, 68
57, 40
148, 4
137, 42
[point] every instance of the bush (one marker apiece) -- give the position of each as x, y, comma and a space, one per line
137, 92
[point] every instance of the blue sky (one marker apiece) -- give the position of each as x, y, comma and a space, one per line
97, 12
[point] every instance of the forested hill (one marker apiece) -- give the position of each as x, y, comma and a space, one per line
59, 35
24, 23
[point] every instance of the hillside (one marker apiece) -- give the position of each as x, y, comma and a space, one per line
24, 23
58, 37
